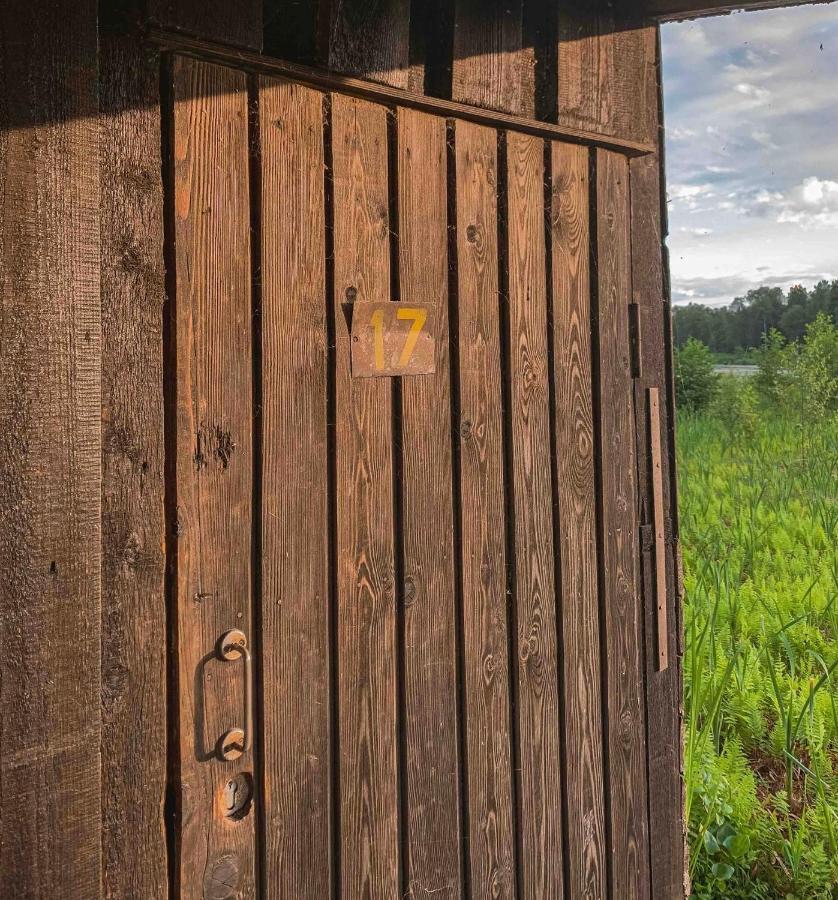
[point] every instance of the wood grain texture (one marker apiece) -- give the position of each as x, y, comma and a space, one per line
624, 619
133, 562
488, 54
538, 709
430, 615
369, 839
656, 463
663, 689
383, 93
487, 714
213, 339
50, 451
576, 496
295, 560
371, 39
238, 23
606, 72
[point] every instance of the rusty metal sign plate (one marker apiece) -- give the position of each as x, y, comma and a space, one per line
393, 339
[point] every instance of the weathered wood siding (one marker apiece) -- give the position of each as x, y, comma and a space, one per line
448, 582
448, 616
50, 452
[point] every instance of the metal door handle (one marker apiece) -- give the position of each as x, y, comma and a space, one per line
237, 741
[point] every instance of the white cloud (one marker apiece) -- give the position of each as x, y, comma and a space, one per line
689, 195
813, 203
696, 232
757, 95
752, 132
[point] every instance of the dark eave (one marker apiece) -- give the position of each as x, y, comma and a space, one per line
669, 10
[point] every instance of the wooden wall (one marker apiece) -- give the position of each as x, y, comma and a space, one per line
50, 457
84, 675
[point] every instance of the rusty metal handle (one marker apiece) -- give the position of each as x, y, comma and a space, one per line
237, 741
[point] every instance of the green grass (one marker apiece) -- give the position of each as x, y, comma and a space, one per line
759, 526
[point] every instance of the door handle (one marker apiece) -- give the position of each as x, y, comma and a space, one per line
236, 741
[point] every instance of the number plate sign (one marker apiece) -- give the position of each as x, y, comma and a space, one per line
393, 339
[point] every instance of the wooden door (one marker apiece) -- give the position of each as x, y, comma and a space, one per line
436, 575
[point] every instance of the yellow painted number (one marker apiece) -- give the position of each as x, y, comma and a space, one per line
418, 316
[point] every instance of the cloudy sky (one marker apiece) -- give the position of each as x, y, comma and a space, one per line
751, 104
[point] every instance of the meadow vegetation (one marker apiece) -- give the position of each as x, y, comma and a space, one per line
758, 475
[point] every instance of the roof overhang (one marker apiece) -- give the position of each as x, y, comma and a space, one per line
669, 10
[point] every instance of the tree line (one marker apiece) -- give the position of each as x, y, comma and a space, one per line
743, 324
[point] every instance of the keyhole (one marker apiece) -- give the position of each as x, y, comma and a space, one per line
236, 794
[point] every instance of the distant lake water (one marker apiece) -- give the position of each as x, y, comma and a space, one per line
744, 371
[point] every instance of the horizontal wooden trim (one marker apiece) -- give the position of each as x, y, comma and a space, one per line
382, 93
672, 10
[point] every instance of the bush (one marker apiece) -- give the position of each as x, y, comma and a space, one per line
775, 360
695, 381
735, 405
816, 369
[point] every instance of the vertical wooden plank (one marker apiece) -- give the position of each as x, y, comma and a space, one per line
227, 22
369, 846
427, 515
605, 63
134, 630
295, 570
663, 688
488, 56
488, 764
371, 39
625, 664
214, 465
656, 464
534, 591
576, 496
50, 451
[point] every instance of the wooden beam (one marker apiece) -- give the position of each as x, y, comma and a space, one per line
50, 450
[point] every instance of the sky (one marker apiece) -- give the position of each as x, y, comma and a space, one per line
751, 114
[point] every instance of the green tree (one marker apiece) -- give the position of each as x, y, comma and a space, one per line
695, 381
816, 369
775, 360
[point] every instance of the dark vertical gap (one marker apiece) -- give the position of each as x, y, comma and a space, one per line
432, 45
506, 366
398, 519
291, 29
173, 804
259, 748
456, 495
331, 493
554, 483
596, 371
540, 31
